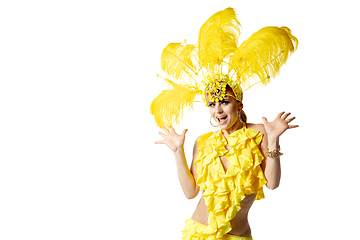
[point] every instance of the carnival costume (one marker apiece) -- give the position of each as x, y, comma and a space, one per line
216, 62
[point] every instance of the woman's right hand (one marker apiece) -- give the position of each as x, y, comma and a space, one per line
173, 140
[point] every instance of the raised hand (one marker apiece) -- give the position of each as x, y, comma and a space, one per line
173, 140
277, 127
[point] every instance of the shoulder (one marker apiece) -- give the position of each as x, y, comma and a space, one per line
205, 140
257, 127
205, 136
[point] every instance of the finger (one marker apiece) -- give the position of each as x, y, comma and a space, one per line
159, 142
293, 126
289, 120
171, 129
265, 120
286, 115
162, 134
184, 131
165, 130
280, 114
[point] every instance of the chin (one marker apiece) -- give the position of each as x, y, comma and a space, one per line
225, 126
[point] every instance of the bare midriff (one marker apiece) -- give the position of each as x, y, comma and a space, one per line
240, 225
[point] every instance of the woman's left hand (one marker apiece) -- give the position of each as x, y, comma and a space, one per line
277, 127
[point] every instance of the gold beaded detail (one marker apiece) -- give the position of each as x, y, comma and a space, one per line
274, 153
216, 88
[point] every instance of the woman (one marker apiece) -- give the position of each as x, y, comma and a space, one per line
230, 166
227, 115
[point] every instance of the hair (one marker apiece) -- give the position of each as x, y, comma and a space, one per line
242, 114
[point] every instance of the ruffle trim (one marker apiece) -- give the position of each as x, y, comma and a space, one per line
224, 191
195, 231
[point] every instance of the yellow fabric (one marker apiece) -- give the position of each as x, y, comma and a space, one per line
224, 191
195, 231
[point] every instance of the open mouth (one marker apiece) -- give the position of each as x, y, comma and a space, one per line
221, 120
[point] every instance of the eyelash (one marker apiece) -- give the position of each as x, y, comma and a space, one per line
211, 104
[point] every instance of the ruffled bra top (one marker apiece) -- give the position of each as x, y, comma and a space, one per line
224, 191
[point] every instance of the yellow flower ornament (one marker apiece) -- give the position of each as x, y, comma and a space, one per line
216, 88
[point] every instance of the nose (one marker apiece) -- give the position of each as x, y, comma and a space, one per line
218, 107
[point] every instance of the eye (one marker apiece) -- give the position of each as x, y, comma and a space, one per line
211, 104
225, 102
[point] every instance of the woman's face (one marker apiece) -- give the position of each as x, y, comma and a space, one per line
225, 112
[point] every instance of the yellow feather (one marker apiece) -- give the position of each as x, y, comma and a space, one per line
168, 107
218, 38
217, 51
176, 60
262, 55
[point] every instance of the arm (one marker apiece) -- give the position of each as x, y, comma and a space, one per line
187, 177
271, 166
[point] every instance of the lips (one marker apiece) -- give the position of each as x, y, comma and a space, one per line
221, 119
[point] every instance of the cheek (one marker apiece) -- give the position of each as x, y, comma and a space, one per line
211, 111
232, 110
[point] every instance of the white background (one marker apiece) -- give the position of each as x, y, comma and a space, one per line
77, 152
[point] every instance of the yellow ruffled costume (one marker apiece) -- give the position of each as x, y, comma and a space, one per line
224, 191
218, 61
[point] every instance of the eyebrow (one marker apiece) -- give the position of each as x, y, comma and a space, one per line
224, 99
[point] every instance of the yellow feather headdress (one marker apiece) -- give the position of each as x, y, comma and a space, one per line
217, 61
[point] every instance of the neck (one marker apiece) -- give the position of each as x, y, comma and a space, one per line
236, 126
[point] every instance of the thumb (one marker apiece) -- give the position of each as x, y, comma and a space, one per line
265, 120
183, 132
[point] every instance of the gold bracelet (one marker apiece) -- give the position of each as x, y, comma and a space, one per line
274, 153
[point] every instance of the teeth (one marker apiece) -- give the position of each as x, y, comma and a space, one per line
221, 118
